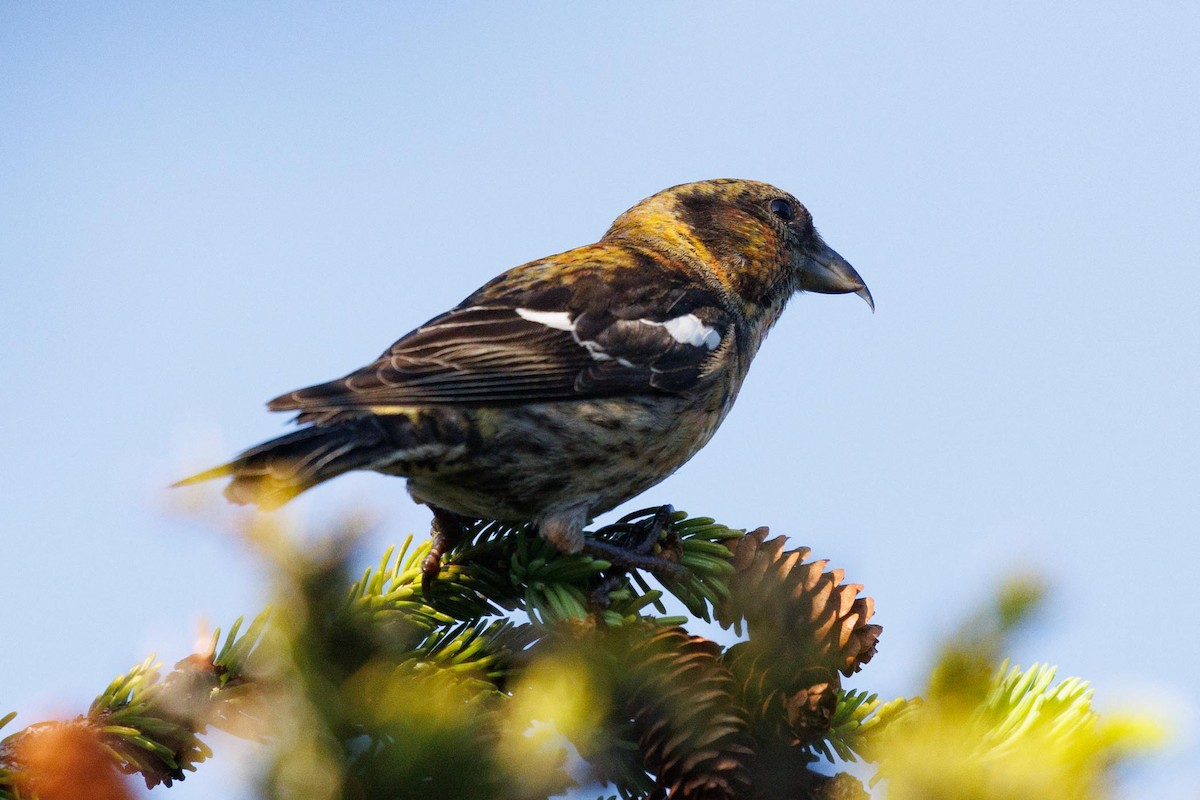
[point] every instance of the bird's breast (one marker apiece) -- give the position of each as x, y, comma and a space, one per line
601, 452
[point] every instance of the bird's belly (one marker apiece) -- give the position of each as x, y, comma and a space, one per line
524, 460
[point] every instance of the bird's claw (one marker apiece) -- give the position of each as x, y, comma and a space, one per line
431, 567
662, 522
445, 532
599, 598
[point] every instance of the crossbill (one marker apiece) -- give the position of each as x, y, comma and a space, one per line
568, 385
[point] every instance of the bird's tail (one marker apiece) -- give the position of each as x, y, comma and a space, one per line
274, 472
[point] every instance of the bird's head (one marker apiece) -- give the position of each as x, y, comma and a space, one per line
758, 242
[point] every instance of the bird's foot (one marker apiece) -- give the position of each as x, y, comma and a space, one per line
638, 541
600, 598
622, 557
446, 530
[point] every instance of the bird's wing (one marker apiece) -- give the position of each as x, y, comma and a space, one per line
504, 352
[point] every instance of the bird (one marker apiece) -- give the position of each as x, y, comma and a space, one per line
567, 385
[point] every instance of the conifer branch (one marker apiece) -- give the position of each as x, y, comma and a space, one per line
374, 685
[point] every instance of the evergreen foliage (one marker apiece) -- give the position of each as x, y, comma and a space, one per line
522, 671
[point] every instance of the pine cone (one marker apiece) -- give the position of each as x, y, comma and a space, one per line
691, 731
797, 610
788, 703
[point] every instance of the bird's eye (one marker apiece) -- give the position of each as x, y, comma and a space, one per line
782, 209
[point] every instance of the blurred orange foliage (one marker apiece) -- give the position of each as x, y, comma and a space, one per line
67, 761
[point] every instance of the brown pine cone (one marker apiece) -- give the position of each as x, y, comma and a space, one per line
797, 609
691, 729
792, 706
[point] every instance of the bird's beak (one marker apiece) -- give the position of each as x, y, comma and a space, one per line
826, 272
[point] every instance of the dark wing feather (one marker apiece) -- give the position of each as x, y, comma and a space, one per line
491, 354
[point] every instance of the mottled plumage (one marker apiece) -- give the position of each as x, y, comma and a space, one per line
567, 385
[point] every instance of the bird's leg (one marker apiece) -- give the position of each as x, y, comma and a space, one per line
446, 530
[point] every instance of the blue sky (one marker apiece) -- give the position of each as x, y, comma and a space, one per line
202, 206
